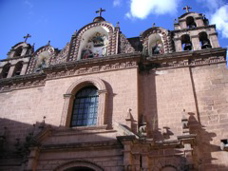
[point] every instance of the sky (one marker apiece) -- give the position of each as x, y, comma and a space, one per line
57, 20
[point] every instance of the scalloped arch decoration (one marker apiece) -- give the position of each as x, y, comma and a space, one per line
46, 53
165, 38
79, 40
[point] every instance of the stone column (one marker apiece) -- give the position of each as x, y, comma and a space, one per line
178, 44
32, 159
196, 43
183, 24
11, 70
127, 156
1, 70
145, 162
101, 106
24, 50
214, 40
24, 68
67, 108
199, 22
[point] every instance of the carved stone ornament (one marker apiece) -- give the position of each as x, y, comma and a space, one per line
125, 46
62, 56
110, 48
156, 40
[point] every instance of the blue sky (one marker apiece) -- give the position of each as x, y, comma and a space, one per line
56, 20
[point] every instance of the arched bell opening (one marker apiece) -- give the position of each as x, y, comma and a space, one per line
205, 42
5, 71
186, 42
18, 68
190, 22
18, 51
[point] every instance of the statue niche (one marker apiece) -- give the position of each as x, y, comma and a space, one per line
156, 46
95, 47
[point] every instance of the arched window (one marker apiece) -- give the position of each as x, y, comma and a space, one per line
205, 42
5, 71
186, 42
18, 68
18, 51
85, 107
190, 22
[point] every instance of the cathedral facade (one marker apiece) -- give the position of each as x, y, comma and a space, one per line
156, 102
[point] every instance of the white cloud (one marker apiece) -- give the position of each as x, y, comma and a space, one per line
142, 8
116, 3
220, 18
217, 14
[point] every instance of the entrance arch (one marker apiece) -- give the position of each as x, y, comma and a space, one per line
79, 169
79, 165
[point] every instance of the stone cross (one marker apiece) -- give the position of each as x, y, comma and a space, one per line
26, 37
187, 8
100, 11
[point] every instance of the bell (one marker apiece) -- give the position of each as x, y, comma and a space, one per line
206, 44
188, 46
192, 25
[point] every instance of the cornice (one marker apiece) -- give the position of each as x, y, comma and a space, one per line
81, 67
100, 145
21, 82
15, 58
115, 62
189, 58
196, 28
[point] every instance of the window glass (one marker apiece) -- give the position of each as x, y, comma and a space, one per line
85, 107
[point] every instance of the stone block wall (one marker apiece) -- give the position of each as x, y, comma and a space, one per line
20, 109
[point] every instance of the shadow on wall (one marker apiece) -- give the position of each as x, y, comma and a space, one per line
203, 148
17, 140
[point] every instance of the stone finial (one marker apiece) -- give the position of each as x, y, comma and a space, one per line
118, 24
184, 122
42, 124
76, 31
128, 114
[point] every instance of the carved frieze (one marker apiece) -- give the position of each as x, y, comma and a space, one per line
92, 69
10, 84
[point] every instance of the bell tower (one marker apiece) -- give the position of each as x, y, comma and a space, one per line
193, 32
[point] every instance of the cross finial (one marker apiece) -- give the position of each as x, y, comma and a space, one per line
26, 37
187, 8
100, 11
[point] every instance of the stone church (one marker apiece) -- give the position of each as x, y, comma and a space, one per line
156, 102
